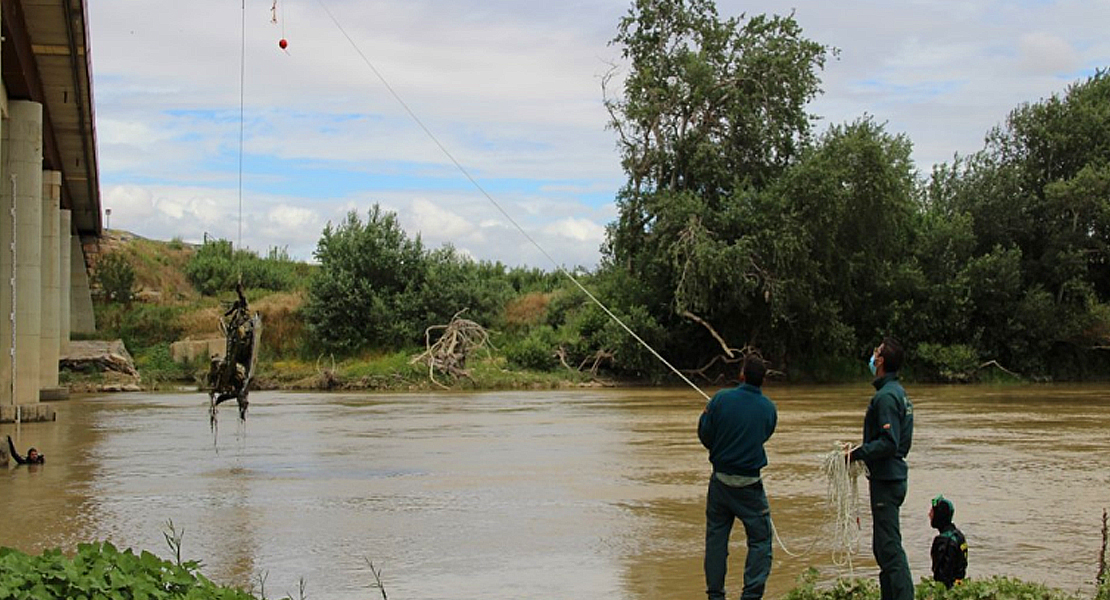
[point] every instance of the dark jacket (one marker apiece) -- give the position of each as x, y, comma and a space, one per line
887, 431
734, 427
949, 554
22, 460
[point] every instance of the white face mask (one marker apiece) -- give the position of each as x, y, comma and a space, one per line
871, 365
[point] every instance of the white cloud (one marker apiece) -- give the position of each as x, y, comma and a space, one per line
434, 222
1047, 54
580, 230
137, 203
512, 89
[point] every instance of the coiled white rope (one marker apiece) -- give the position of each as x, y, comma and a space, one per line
842, 499
842, 502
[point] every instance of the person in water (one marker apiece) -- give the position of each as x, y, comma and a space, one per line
33, 457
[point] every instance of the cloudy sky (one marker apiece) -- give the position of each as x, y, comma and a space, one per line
512, 88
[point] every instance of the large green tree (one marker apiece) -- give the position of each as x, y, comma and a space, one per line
359, 297
712, 112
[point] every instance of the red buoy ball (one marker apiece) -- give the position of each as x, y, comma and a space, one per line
283, 44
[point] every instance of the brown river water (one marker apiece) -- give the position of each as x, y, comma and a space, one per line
577, 494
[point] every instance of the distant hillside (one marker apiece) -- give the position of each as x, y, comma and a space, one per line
159, 266
161, 279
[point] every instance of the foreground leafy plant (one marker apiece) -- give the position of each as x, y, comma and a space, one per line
100, 571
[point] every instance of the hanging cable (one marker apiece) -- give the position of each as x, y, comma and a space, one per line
483, 191
242, 96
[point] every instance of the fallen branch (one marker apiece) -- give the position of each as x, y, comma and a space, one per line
730, 352
596, 358
994, 363
561, 354
728, 360
326, 378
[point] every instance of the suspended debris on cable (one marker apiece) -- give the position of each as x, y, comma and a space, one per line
229, 376
283, 43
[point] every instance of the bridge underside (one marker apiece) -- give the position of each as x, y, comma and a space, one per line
49, 194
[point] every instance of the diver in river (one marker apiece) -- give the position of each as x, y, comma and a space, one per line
949, 551
33, 457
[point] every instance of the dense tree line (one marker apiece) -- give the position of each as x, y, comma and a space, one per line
739, 226
810, 248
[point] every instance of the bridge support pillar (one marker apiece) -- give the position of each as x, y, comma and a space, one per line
51, 280
65, 223
81, 318
22, 188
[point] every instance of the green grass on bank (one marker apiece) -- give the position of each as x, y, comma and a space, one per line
991, 588
396, 371
100, 571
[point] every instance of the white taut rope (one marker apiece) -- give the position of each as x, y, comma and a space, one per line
843, 491
501, 209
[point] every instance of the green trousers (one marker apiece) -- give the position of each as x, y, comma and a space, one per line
895, 581
723, 506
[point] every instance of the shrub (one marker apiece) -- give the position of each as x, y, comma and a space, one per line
217, 267
361, 296
155, 364
994, 588
116, 277
144, 325
957, 362
526, 310
536, 351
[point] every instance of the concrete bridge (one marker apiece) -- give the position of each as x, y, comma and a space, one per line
49, 196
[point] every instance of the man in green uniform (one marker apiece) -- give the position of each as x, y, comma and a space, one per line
734, 426
887, 435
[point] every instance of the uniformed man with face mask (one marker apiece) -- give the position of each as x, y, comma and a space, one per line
887, 435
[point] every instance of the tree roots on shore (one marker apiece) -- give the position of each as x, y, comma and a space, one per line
448, 355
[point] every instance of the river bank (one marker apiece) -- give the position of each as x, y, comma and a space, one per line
115, 371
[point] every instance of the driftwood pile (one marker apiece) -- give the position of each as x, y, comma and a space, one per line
460, 338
